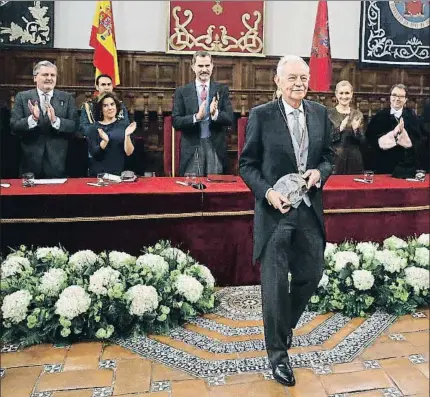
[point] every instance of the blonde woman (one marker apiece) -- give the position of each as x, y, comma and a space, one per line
347, 132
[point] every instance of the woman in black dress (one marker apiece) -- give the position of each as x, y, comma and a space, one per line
347, 132
109, 139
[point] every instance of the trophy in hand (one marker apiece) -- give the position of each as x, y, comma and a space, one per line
293, 187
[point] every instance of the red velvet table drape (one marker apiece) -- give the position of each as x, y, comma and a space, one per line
215, 224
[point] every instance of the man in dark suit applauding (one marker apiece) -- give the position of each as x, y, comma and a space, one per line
202, 111
289, 135
44, 119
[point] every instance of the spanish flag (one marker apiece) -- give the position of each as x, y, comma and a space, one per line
103, 41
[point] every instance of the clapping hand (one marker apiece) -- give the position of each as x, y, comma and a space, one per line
202, 111
130, 129
355, 123
399, 128
344, 123
278, 201
34, 110
103, 135
214, 106
51, 113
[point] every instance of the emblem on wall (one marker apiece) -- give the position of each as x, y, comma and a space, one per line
395, 33
223, 27
26, 23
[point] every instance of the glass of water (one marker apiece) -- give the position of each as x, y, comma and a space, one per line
101, 179
368, 176
420, 175
190, 178
28, 179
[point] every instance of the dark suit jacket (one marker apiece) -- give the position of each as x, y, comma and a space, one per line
44, 148
185, 105
385, 161
268, 155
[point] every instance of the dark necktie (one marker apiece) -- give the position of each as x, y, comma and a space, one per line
204, 93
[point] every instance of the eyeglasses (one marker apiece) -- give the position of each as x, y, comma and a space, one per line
398, 96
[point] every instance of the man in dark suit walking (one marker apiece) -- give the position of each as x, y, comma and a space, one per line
290, 135
44, 119
202, 111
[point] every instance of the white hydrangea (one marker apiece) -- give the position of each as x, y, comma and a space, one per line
424, 239
324, 281
422, 256
119, 259
81, 260
189, 287
204, 273
175, 254
52, 282
394, 243
72, 302
55, 253
142, 298
418, 278
329, 250
103, 279
14, 265
154, 263
390, 260
363, 279
368, 250
342, 258
15, 306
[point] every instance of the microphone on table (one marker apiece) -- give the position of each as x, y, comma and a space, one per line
199, 185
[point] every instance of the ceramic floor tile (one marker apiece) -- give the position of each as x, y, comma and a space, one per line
36, 355
132, 376
348, 367
356, 381
73, 393
190, 388
388, 350
115, 352
162, 372
19, 382
424, 368
307, 384
256, 389
409, 324
408, 378
243, 378
83, 379
83, 356
419, 339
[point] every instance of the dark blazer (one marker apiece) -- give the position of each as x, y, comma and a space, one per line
185, 105
385, 161
268, 155
44, 148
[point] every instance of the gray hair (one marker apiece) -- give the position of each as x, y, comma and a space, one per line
286, 59
40, 64
343, 83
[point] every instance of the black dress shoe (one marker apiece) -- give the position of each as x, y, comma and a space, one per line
283, 373
289, 338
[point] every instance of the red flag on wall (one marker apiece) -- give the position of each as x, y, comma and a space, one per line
320, 61
102, 39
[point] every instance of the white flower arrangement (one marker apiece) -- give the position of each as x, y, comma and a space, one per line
15, 306
14, 265
153, 263
46, 253
418, 278
363, 279
203, 272
342, 258
329, 250
394, 243
189, 287
390, 260
143, 299
421, 256
368, 250
119, 259
172, 253
324, 281
424, 239
102, 280
52, 282
82, 260
72, 302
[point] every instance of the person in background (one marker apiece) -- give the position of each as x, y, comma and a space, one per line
109, 139
202, 111
347, 132
44, 119
394, 135
103, 84
290, 135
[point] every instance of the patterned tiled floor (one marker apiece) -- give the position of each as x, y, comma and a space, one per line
222, 355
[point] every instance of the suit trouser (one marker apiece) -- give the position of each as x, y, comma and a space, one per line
296, 246
205, 160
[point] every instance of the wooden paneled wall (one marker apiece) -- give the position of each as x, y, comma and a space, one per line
148, 81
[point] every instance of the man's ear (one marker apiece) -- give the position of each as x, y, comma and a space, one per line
276, 80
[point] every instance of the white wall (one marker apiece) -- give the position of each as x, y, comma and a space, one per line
142, 26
